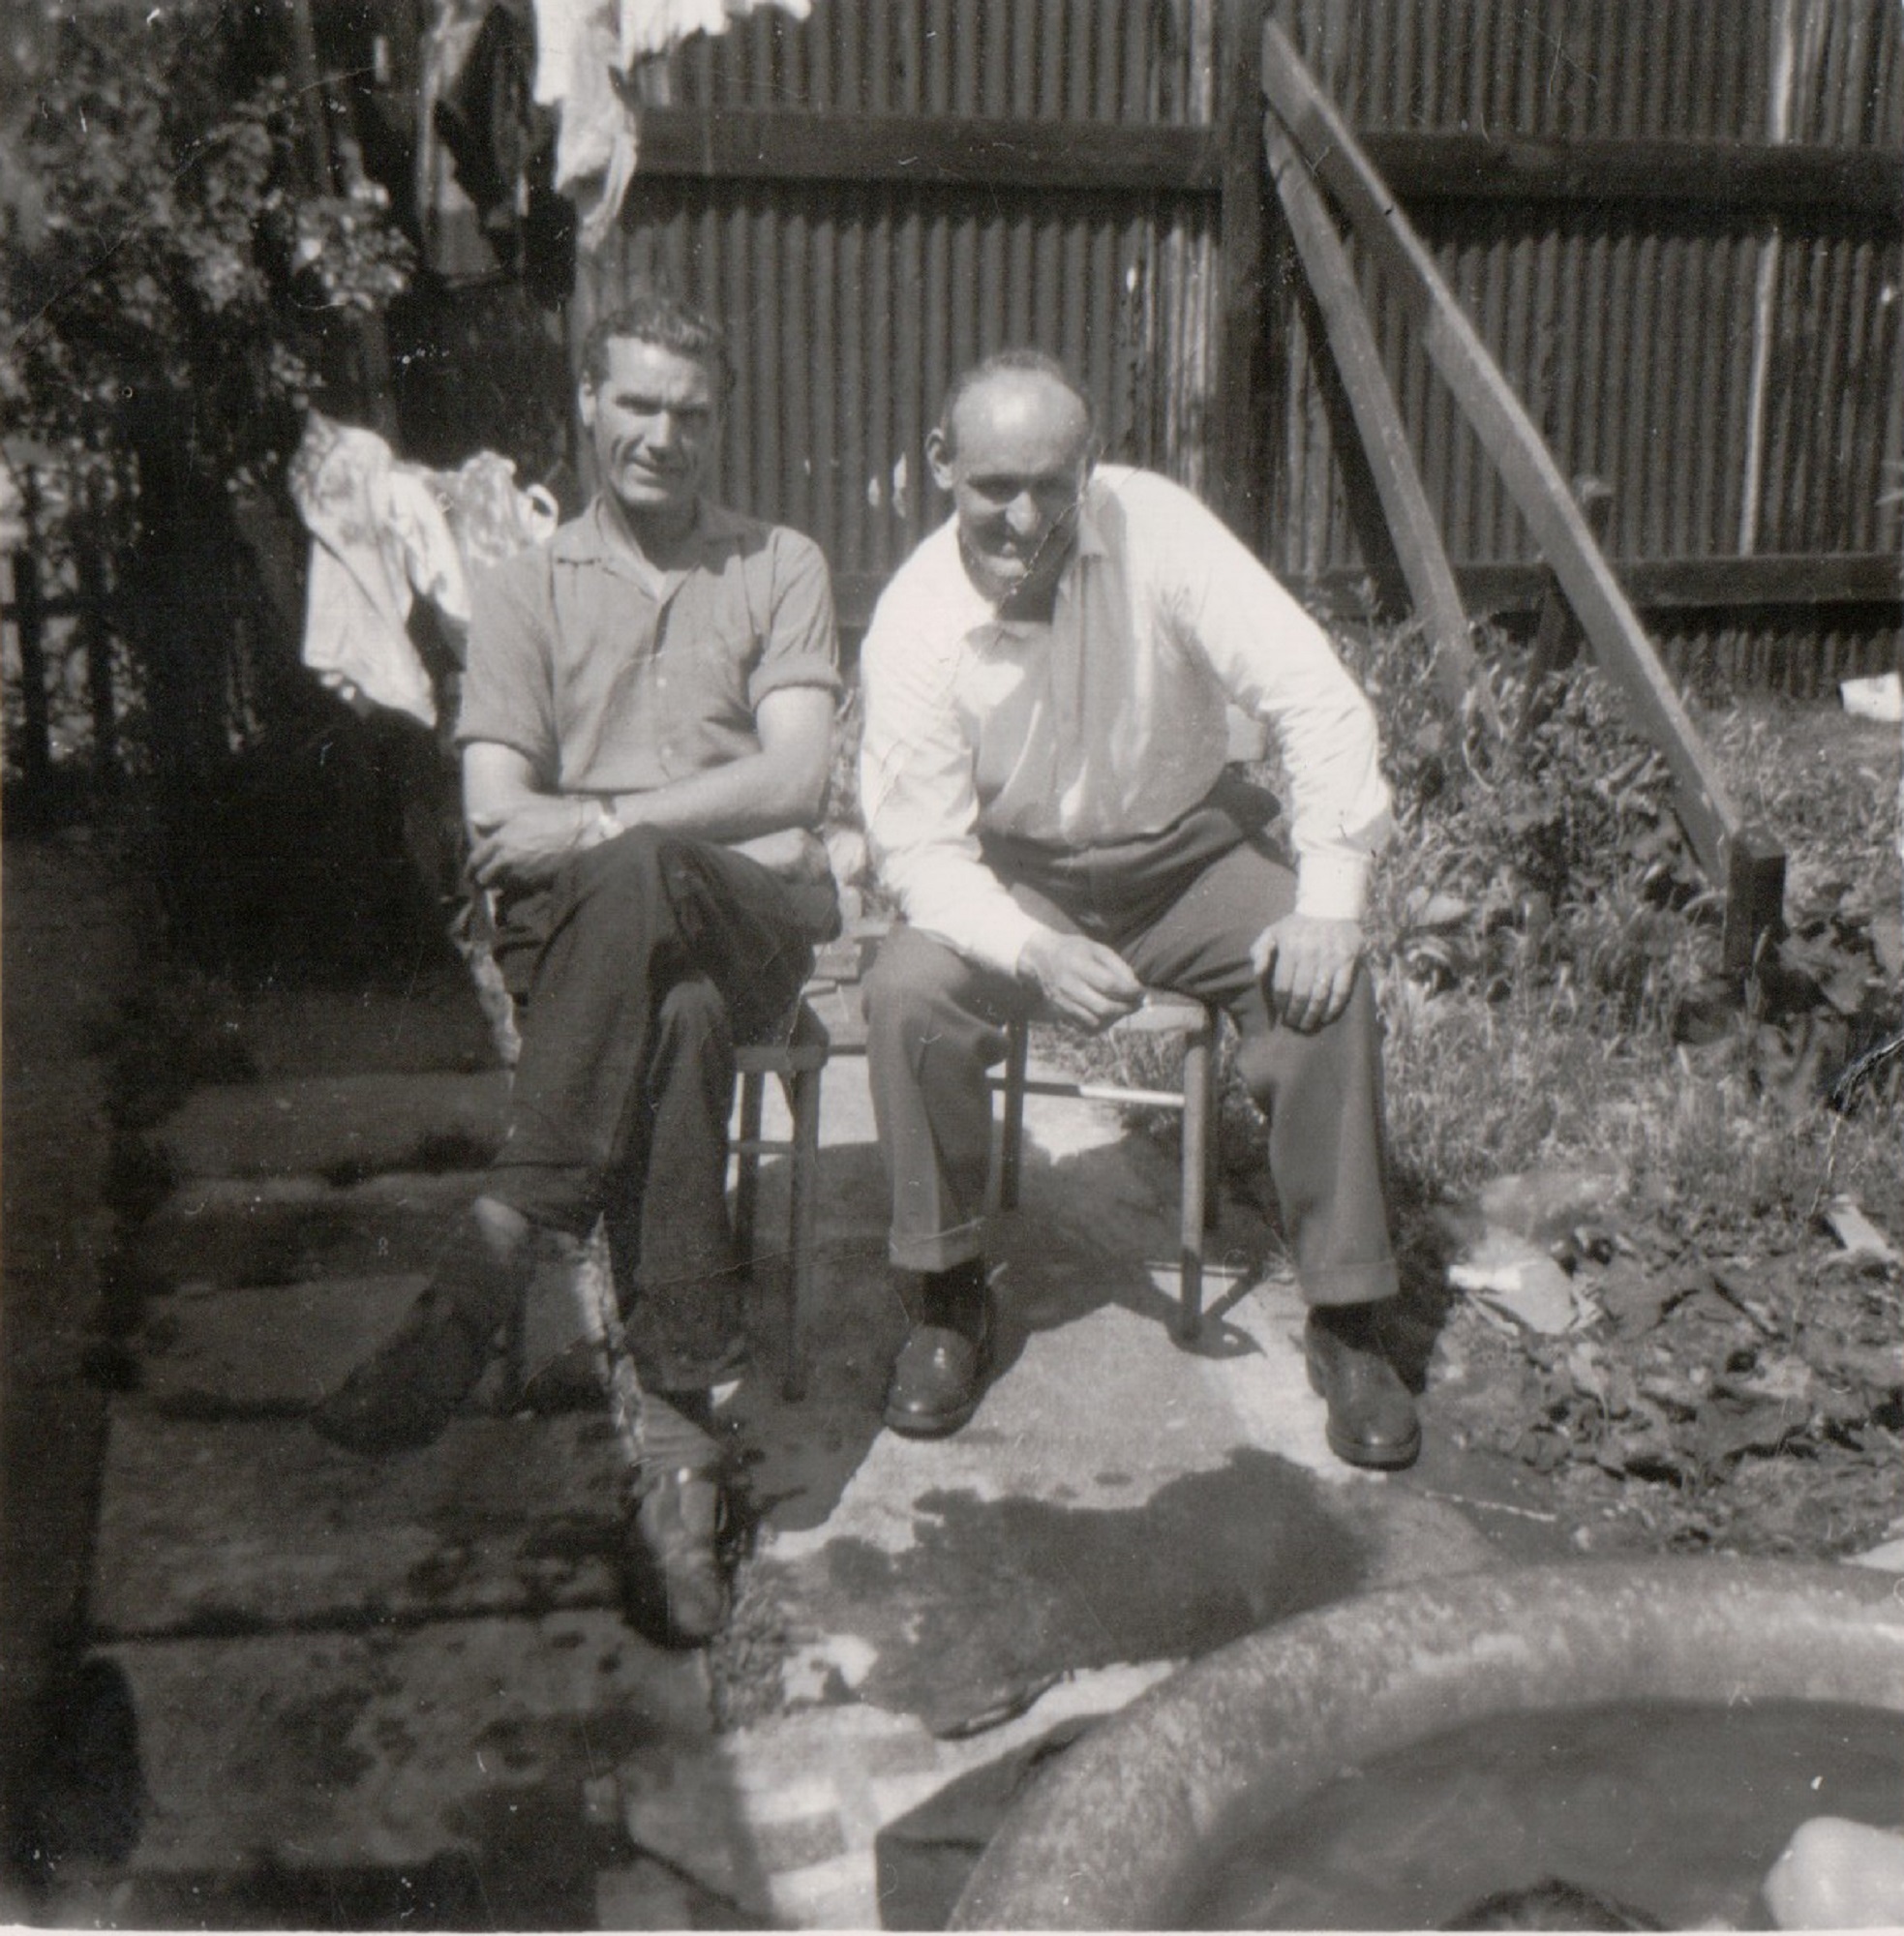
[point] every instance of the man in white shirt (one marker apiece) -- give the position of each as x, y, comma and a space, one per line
1044, 787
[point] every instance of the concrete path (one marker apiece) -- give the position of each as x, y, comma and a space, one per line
339, 1693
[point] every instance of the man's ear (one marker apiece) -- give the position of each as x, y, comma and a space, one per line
939, 458
585, 402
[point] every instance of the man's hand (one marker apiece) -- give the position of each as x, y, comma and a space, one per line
527, 840
1308, 968
1082, 980
793, 854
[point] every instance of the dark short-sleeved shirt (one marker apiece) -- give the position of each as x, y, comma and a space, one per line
610, 682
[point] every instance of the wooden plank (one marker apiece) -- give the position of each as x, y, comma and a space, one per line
1749, 180
1746, 179
1766, 581
1411, 524
781, 145
1705, 805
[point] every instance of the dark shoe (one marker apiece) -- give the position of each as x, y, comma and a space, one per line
403, 1396
939, 1374
676, 1586
1372, 1416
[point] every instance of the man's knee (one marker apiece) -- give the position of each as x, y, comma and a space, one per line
1268, 1054
693, 1011
913, 981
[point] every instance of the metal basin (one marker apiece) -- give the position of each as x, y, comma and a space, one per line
1119, 1833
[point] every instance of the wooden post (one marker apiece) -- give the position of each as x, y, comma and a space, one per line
1557, 631
1755, 898
1619, 644
1243, 442
30, 621
1412, 525
96, 633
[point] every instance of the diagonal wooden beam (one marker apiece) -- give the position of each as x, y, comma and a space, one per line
1744, 860
1411, 524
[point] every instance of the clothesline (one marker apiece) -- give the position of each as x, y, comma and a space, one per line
534, 98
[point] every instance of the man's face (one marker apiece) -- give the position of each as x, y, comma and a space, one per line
1015, 463
652, 418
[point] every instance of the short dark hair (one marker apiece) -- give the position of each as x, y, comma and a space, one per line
1005, 362
652, 314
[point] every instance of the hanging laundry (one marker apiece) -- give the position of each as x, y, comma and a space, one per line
382, 533
455, 246
586, 54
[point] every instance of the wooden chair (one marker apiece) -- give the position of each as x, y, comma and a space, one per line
1163, 1013
799, 1061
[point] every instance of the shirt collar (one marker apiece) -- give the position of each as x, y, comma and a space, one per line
587, 540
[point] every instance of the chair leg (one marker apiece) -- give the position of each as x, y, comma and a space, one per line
746, 1182
1012, 1148
803, 1191
1212, 1133
1197, 1088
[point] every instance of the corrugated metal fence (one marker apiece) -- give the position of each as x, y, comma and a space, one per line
876, 196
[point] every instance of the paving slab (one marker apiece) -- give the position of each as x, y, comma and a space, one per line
340, 1127
268, 1351
436, 1025
284, 1230
241, 1526
318, 1752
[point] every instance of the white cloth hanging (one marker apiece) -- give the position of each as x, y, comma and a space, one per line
585, 51
382, 533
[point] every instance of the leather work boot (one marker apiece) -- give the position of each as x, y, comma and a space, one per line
403, 1395
1371, 1415
939, 1374
676, 1577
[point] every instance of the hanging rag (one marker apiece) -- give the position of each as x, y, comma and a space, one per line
588, 52
455, 246
383, 532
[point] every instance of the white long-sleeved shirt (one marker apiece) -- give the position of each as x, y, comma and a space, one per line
1105, 723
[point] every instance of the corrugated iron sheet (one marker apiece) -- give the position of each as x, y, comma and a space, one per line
1738, 381
852, 305
1724, 418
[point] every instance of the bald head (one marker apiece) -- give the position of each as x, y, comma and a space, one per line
1012, 370
1013, 449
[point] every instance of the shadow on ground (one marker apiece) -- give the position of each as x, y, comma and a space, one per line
997, 1596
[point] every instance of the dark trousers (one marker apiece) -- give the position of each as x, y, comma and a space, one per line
1183, 908
643, 964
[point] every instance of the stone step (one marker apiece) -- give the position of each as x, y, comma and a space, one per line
242, 1527
489, 1741
288, 1031
284, 1230
262, 1352
343, 1128
272, 1351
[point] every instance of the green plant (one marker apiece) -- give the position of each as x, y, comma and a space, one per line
173, 241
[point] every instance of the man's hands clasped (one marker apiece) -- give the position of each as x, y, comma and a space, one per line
1081, 980
527, 841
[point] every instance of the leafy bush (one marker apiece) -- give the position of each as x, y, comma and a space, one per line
171, 239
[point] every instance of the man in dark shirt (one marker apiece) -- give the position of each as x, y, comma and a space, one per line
647, 732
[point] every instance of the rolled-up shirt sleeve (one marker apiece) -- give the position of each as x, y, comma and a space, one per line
507, 698
801, 642
920, 805
1277, 663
